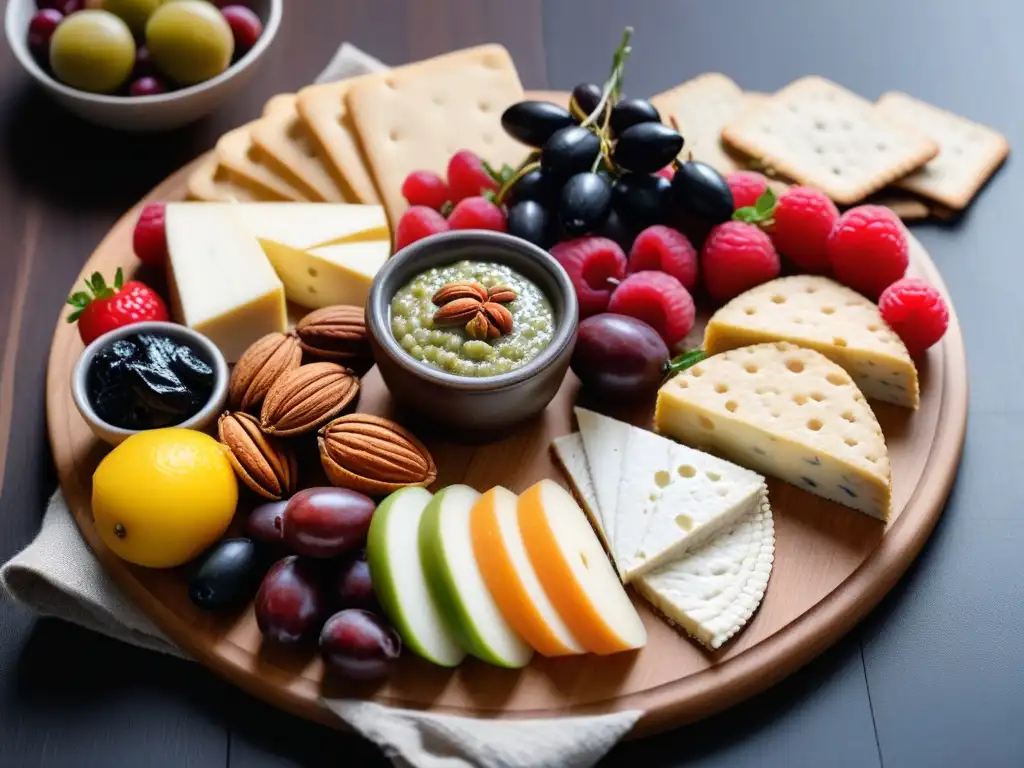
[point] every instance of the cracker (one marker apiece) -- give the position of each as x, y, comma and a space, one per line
211, 183
561, 98
701, 108
969, 153
290, 151
282, 102
754, 100
326, 115
822, 135
237, 153
904, 205
417, 116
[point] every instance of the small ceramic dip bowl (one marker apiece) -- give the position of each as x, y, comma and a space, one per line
195, 384
489, 352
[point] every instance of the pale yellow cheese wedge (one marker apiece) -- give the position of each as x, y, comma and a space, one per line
786, 411
289, 149
836, 321
332, 274
237, 153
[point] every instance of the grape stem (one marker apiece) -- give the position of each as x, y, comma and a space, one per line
524, 168
683, 361
613, 86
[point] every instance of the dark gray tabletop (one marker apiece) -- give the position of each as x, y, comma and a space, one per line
933, 677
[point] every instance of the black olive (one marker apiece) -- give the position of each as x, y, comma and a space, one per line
569, 151
584, 204
615, 228
629, 112
647, 147
533, 185
532, 222
701, 191
587, 96
642, 199
227, 575
533, 122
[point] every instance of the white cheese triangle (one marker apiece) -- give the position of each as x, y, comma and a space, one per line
711, 592
604, 440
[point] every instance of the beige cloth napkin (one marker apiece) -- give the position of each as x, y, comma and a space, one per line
57, 575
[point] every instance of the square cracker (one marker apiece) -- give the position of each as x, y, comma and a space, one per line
289, 149
237, 153
822, 135
417, 116
326, 115
702, 107
210, 183
968, 152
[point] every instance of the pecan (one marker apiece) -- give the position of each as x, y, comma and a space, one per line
457, 312
306, 398
501, 294
460, 290
498, 316
260, 366
266, 466
334, 333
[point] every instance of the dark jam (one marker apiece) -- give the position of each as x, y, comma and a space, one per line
147, 381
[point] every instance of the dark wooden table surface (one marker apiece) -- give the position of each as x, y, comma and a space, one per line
934, 677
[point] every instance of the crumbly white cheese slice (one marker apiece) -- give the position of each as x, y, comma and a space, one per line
821, 314
711, 592
785, 411
604, 440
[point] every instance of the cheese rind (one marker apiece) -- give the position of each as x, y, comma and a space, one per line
222, 284
785, 411
821, 314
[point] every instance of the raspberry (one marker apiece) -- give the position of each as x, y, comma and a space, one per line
425, 188
746, 187
803, 218
659, 300
467, 176
595, 265
868, 249
736, 257
477, 213
664, 249
149, 239
916, 311
416, 223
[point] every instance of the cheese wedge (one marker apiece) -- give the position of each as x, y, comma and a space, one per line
290, 151
604, 440
712, 592
572, 457
785, 411
511, 578
303, 226
237, 153
821, 314
333, 274
575, 572
672, 499
211, 183
222, 284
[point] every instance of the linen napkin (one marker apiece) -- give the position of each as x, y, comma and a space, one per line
58, 575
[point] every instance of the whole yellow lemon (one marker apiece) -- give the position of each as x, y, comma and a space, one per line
163, 496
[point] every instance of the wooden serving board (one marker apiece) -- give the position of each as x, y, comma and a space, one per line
832, 565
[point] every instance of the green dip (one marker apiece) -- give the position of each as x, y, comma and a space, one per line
452, 349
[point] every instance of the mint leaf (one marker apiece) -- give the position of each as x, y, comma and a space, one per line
766, 202
760, 213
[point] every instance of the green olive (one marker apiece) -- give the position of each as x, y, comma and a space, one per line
190, 40
134, 12
92, 50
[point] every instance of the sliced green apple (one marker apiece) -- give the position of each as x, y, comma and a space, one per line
458, 586
393, 554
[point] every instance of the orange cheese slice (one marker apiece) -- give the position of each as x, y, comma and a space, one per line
575, 572
511, 578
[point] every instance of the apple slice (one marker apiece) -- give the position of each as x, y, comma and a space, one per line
499, 549
575, 572
396, 570
457, 584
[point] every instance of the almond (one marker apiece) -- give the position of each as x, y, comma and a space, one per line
373, 455
266, 466
457, 312
260, 366
306, 398
501, 294
498, 316
335, 333
460, 290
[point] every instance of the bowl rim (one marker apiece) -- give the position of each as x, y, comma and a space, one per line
79, 389
377, 307
24, 56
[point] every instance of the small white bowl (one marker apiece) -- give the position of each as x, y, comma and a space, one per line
207, 350
143, 113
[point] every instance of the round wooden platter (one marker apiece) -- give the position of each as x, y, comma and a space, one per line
832, 565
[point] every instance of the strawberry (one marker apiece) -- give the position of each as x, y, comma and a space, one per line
104, 308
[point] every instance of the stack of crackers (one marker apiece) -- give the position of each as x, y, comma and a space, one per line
918, 159
356, 140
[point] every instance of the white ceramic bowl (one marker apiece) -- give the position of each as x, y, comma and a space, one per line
206, 349
143, 113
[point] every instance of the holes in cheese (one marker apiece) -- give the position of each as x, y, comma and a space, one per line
575, 573
818, 313
511, 578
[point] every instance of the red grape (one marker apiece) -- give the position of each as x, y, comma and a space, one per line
245, 25
353, 584
290, 602
326, 522
147, 86
264, 522
40, 29
143, 62
359, 645
619, 356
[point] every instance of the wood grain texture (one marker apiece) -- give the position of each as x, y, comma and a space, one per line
831, 564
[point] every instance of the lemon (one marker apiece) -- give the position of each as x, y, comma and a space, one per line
163, 496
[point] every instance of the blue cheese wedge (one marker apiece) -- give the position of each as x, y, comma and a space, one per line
711, 592
821, 314
785, 411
